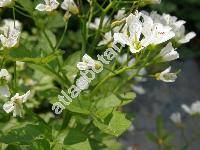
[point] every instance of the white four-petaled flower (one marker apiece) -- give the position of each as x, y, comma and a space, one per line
168, 53
10, 38
4, 74
69, 5
4, 78
11, 33
49, 5
15, 104
177, 26
166, 76
176, 118
88, 63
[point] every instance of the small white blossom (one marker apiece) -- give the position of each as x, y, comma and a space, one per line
156, 33
69, 5
177, 26
5, 75
193, 109
49, 5
10, 37
176, 118
15, 104
87, 63
96, 23
166, 76
132, 37
4, 3
168, 53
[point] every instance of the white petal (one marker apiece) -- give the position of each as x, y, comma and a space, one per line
121, 38
25, 96
8, 106
41, 7
54, 4
187, 37
167, 49
186, 108
17, 110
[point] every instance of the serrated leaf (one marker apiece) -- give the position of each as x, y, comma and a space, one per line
115, 125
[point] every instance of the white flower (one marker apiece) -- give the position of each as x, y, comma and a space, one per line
10, 38
194, 109
15, 104
87, 63
176, 118
177, 26
4, 74
82, 83
120, 14
4, 91
4, 3
132, 37
96, 23
168, 53
70, 6
166, 76
156, 33
49, 5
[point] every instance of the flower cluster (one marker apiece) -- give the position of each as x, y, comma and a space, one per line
11, 33
51, 5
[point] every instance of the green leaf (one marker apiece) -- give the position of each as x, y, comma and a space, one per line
26, 134
39, 144
70, 65
15, 55
80, 105
47, 41
27, 5
115, 124
159, 126
77, 140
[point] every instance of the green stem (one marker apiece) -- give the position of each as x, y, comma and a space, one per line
14, 15
62, 37
58, 61
15, 77
101, 24
110, 76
